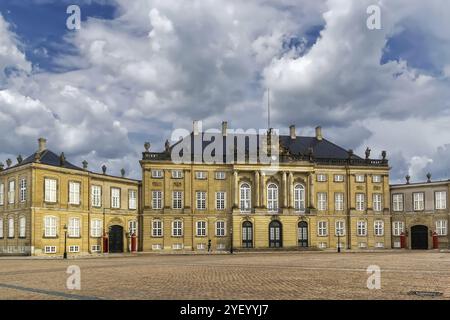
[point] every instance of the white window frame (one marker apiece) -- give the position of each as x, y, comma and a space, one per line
440, 200
200, 200
96, 194
11, 227
221, 200
200, 175
377, 202
50, 249
360, 201
272, 197
156, 173
360, 178
115, 198
96, 228
74, 248
177, 174
201, 228
378, 228
74, 192
322, 177
23, 190
74, 227
177, 228
157, 199
96, 248
11, 191
1, 228
419, 201
322, 201
441, 227
398, 202
132, 199
338, 178
245, 196
2, 194
50, 190
157, 228
133, 227
50, 226
398, 227
299, 198
376, 178
220, 175
322, 228
177, 199
340, 228
221, 228
361, 228
339, 201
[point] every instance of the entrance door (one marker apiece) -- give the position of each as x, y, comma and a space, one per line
303, 234
419, 237
275, 235
115, 239
247, 234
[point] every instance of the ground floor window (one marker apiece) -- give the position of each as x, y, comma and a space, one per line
441, 227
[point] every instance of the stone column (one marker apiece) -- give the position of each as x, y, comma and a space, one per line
257, 197
263, 191
285, 192
291, 190
236, 189
312, 200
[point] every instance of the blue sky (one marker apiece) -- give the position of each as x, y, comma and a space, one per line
137, 70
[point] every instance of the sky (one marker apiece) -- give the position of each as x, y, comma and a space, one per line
137, 70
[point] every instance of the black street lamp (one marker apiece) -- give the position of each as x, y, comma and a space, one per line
231, 236
339, 241
65, 242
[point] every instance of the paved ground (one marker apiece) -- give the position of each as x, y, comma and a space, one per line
294, 275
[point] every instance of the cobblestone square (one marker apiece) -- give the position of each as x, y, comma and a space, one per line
280, 275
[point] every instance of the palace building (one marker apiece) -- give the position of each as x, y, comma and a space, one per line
316, 195
420, 214
49, 206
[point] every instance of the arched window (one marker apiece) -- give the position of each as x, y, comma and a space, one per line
272, 197
22, 227
299, 198
247, 234
11, 227
245, 197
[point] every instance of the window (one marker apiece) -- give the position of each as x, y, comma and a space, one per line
441, 200
96, 248
272, 197
50, 226
11, 227
340, 227
361, 228
441, 227
398, 227
74, 193
157, 199
177, 228
12, 192
379, 245
201, 246
220, 228
397, 202
50, 249
201, 200
157, 246
2, 194
96, 193
377, 202
379, 228
132, 227
339, 201
299, 198
360, 201
244, 197
73, 249
322, 228
322, 201
50, 190
338, 178
177, 174
321, 177
177, 200
376, 178
177, 246
220, 200
201, 228
157, 173
200, 175
419, 201
220, 175
23, 190
1, 228
157, 228
74, 227
360, 178
132, 199
322, 245
115, 198
96, 228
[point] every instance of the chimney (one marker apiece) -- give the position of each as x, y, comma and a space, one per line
292, 132
224, 128
42, 144
196, 127
319, 133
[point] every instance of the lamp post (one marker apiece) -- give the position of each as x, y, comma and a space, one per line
339, 241
65, 242
231, 236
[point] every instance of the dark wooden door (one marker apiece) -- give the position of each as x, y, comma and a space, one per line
247, 234
303, 234
275, 235
116, 239
419, 237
